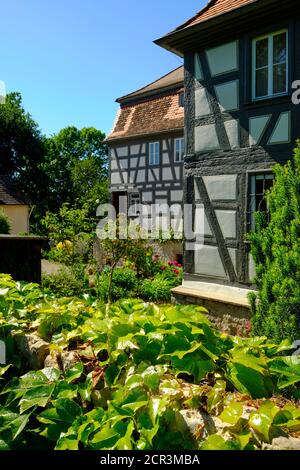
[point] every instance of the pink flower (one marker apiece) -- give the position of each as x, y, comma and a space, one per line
163, 267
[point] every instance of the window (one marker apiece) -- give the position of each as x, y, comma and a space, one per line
154, 153
181, 100
270, 65
179, 150
259, 184
134, 203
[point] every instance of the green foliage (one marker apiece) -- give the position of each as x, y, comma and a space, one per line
4, 224
69, 167
124, 284
275, 247
67, 224
22, 149
76, 163
138, 366
157, 289
64, 283
123, 241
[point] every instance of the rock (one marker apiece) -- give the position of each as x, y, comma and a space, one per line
66, 360
283, 443
33, 348
198, 421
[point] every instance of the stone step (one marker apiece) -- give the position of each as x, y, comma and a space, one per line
228, 295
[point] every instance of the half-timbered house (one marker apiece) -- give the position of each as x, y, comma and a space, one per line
146, 148
241, 58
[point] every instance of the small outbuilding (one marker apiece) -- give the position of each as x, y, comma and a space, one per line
15, 205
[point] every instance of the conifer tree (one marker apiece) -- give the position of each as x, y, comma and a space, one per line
275, 247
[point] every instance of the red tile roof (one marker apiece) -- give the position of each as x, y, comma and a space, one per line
152, 109
152, 116
215, 8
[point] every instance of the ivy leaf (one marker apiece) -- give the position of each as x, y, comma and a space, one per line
67, 443
232, 413
250, 375
216, 442
288, 370
74, 372
67, 409
194, 366
261, 421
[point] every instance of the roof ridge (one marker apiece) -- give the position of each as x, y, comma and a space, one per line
190, 20
229, 5
140, 90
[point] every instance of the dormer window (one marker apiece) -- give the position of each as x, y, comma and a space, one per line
270, 65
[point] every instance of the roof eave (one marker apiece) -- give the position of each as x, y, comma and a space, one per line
125, 138
171, 40
129, 99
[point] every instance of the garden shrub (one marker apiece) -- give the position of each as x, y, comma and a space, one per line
275, 247
124, 284
5, 226
64, 283
157, 289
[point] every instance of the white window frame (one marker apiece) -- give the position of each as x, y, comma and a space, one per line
270, 37
154, 156
134, 204
182, 148
252, 194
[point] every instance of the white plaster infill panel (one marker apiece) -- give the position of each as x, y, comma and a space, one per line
147, 196
115, 178
282, 131
141, 176
252, 270
166, 159
233, 133
123, 164
228, 95
167, 174
177, 173
257, 127
134, 149
227, 221
122, 151
207, 229
198, 67
176, 196
133, 162
206, 138
132, 177
221, 187
113, 164
233, 255
223, 59
202, 107
208, 262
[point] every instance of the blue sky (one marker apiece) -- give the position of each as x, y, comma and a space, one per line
71, 59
